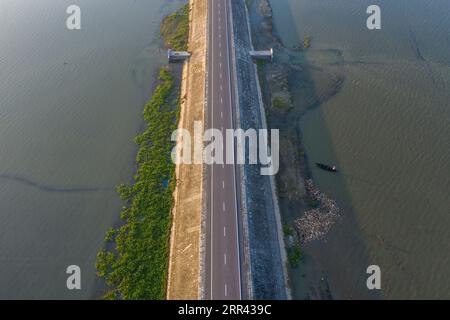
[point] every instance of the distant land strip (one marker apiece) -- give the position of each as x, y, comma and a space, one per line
48, 188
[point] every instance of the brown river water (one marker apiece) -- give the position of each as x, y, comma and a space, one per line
388, 131
70, 105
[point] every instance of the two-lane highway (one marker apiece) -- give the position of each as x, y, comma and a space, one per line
223, 261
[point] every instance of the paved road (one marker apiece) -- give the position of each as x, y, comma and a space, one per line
223, 262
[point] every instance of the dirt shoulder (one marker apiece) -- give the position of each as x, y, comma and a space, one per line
184, 261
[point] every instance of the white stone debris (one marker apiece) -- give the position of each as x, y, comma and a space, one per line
316, 223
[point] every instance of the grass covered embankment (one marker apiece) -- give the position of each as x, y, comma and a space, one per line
135, 263
174, 29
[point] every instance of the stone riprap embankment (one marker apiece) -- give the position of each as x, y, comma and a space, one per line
263, 226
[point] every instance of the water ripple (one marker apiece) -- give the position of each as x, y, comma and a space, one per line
50, 188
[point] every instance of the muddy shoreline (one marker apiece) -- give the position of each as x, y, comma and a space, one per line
297, 81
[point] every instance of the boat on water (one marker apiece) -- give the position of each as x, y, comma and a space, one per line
326, 167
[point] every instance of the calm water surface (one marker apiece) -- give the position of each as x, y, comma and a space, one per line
388, 129
70, 105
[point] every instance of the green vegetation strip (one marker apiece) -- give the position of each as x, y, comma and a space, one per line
175, 28
136, 268
295, 256
135, 261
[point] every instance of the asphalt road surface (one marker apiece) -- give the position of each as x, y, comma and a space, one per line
223, 278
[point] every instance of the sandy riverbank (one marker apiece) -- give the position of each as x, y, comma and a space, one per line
185, 249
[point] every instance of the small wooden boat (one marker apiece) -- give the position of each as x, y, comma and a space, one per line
327, 167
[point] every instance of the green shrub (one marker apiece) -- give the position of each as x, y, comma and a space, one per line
314, 203
280, 103
288, 230
307, 42
295, 256
110, 234
175, 29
